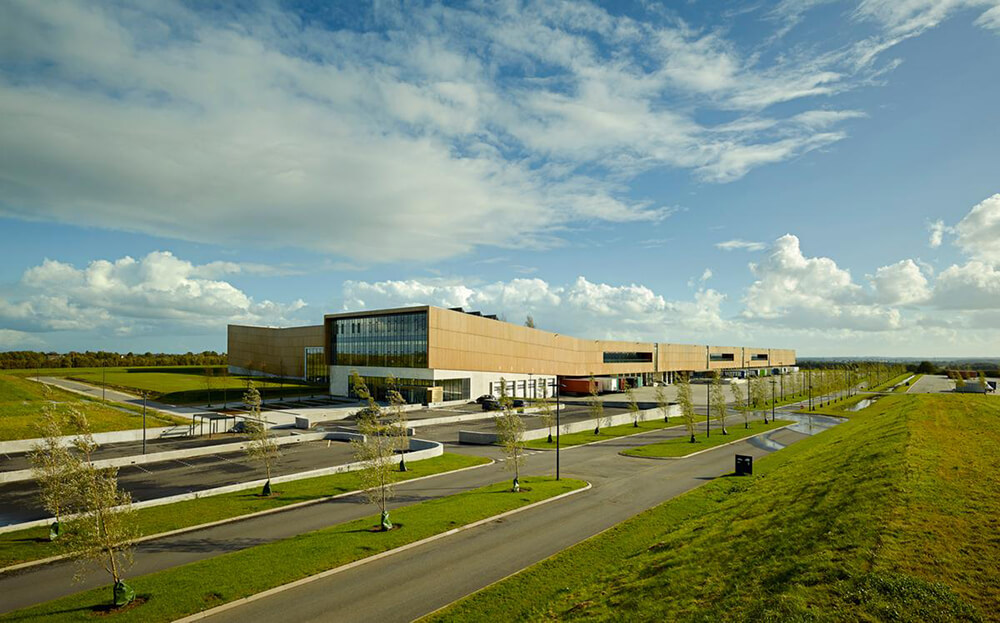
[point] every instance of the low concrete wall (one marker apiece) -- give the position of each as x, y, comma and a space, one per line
486, 438
117, 436
420, 449
169, 455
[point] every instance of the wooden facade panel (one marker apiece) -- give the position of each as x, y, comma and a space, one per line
461, 341
272, 350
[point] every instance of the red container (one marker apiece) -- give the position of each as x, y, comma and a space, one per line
579, 387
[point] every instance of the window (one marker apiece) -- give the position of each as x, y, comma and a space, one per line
316, 370
759, 357
610, 357
722, 357
414, 391
392, 340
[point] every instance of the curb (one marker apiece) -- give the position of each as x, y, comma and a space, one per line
675, 458
357, 563
228, 520
592, 443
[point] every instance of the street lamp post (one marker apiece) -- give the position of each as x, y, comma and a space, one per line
772, 397
708, 410
144, 422
556, 389
104, 379
810, 389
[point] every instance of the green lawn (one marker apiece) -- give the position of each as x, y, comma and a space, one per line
682, 446
184, 590
588, 436
33, 543
890, 516
178, 384
21, 403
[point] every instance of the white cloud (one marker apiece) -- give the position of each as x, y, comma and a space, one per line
793, 290
901, 283
730, 245
974, 285
705, 276
158, 292
19, 340
581, 308
978, 234
264, 128
910, 17
936, 229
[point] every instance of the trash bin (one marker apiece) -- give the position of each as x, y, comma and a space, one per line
744, 465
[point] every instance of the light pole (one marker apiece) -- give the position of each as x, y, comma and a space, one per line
810, 389
556, 389
772, 396
708, 410
144, 422
104, 379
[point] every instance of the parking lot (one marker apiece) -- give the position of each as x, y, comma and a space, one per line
19, 500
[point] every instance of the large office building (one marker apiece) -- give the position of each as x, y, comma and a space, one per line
440, 355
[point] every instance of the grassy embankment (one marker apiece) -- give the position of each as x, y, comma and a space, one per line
21, 403
567, 440
177, 592
892, 515
33, 543
179, 384
682, 446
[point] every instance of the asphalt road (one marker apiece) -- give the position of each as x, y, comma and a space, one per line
19, 500
473, 559
622, 487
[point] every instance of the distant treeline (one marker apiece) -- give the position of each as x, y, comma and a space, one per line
27, 359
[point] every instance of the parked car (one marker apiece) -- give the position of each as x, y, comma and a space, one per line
517, 403
366, 412
484, 398
491, 404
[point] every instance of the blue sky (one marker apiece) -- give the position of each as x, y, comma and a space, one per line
817, 175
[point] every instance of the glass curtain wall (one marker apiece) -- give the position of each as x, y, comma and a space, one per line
316, 370
414, 391
390, 341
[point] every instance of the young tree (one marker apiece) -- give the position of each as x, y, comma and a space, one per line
397, 420
596, 406
55, 469
758, 393
529, 322
376, 453
982, 381
740, 404
717, 399
661, 402
104, 528
687, 402
208, 383
545, 411
633, 406
261, 446
510, 435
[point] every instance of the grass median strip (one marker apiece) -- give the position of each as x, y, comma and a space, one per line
611, 432
33, 543
888, 516
682, 446
191, 588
